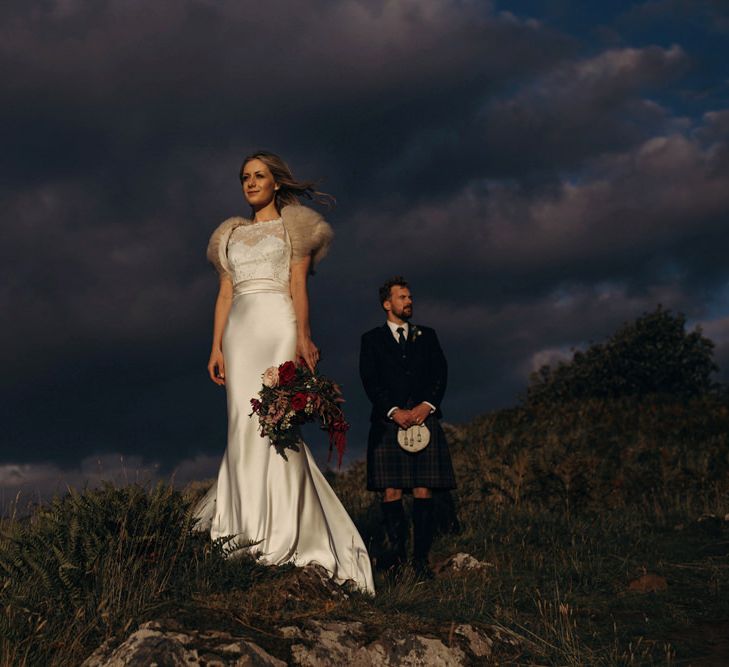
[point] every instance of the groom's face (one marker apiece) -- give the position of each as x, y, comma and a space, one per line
400, 303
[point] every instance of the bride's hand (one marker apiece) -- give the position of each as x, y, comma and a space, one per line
306, 350
216, 367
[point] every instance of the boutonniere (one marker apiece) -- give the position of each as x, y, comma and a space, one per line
415, 333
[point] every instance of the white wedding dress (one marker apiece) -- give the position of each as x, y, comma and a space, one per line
283, 505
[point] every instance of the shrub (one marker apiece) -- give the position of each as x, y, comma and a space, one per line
586, 454
653, 355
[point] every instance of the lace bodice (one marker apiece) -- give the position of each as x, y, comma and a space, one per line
261, 251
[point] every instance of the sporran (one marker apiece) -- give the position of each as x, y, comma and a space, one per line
413, 439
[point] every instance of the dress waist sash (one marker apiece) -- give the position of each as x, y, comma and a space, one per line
260, 285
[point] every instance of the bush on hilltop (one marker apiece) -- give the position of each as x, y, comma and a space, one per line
653, 355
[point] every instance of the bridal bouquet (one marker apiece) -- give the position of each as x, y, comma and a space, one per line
292, 395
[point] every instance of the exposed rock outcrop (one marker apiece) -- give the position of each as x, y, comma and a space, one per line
310, 642
330, 643
151, 644
313, 644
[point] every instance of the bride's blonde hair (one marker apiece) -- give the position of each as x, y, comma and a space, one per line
289, 188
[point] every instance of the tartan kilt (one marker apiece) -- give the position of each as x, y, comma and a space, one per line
390, 466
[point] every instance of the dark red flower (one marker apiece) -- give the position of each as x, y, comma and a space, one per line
298, 401
286, 373
340, 425
256, 405
338, 438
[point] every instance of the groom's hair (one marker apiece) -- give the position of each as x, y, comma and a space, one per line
397, 281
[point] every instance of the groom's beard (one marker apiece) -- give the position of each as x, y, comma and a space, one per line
405, 314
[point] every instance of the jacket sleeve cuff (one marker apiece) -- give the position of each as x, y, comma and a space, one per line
432, 407
391, 411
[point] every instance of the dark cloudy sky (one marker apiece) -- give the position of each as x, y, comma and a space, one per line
540, 171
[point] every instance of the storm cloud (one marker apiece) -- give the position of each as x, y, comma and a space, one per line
539, 178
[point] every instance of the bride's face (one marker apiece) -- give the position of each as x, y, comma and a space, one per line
259, 187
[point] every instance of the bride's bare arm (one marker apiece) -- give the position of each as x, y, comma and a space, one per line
305, 347
216, 364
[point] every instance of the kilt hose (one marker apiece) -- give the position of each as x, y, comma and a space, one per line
390, 466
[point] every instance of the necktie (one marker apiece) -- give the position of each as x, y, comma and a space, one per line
401, 337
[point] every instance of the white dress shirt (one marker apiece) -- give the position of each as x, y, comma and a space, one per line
394, 327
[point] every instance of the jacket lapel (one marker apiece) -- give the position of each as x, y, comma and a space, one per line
390, 341
414, 347
391, 344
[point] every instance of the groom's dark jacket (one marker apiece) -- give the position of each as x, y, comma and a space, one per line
396, 378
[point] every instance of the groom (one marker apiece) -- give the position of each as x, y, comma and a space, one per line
404, 373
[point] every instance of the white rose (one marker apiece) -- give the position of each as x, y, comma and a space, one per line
270, 377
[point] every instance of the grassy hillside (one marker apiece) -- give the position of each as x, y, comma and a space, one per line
573, 503
570, 506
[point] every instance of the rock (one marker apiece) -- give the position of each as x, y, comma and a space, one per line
334, 643
648, 583
143, 648
314, 644
291, 632
478, 642
462, 562
252, 655
151, 644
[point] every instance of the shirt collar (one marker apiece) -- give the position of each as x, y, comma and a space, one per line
394, 327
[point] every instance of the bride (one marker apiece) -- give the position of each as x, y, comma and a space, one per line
284, 505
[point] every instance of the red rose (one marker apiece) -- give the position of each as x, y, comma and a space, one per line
256, 405
298, 401
286, 372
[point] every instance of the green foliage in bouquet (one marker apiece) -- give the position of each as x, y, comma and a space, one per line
653, 355
292, 395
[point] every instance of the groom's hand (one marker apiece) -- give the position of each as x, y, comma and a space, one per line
403, 418
419, 413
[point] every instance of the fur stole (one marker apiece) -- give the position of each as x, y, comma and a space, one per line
309, 233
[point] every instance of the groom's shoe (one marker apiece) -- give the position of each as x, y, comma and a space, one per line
396, 529
423, 536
